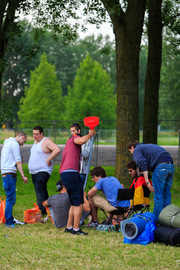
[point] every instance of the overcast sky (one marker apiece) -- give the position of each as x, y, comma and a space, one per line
105, 29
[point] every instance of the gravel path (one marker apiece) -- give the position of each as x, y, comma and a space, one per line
104, 155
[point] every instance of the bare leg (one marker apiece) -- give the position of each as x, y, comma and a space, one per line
94, 210
70, 217
77, 216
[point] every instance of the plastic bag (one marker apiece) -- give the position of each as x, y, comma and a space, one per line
2, 209
32, 215
146, 237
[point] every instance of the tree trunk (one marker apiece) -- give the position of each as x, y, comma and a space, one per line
152, 81
128, 30
7, 17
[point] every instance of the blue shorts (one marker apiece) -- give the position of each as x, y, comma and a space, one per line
74, 186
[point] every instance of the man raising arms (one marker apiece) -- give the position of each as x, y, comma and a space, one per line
69, 171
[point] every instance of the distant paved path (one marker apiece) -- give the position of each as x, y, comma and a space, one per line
105, 156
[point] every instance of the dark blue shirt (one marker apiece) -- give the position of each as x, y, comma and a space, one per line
149, 156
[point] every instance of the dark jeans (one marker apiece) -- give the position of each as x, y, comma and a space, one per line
40, 183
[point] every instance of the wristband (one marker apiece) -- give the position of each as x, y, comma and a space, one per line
90, 134
23, 176
147, 183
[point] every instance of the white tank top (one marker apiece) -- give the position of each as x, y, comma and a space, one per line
37, 160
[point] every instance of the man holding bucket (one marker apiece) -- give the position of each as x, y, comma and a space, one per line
69, 172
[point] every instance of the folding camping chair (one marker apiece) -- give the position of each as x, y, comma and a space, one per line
135, 196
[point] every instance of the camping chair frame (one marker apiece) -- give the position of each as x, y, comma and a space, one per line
126, 212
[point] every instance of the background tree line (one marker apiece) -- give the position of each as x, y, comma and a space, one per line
129, 19
66, 59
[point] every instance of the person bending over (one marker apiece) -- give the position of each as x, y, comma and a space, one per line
10, 161
151, 157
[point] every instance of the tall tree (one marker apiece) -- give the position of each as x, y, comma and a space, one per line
151, 98
127, 19
91, 94
23, 54
162, 13
142, 76
51, 14
7, 17
43, 98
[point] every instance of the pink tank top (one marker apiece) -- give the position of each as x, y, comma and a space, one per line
71, 156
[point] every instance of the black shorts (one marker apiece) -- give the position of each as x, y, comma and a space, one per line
74, 186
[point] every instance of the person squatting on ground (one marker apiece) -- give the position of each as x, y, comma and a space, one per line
109, 186
10, 161
69, 172
40, 164
59, 205
157, 160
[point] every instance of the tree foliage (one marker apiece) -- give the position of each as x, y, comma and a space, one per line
47, 14
91, 94
24, 55
170, 92
127, 18
43, 98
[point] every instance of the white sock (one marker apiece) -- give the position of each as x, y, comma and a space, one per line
69, 228
76, 230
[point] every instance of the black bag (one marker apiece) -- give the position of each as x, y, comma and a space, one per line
169, 236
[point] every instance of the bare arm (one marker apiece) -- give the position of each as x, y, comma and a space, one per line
92, 192
147, 181
84, 139
45, 204
20, 168
54, 149
86, 205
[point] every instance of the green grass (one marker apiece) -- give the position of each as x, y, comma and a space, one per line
42, 246
60, 137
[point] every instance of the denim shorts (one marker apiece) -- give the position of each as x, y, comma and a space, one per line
74, 186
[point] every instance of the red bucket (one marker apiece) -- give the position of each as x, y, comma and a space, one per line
91, 121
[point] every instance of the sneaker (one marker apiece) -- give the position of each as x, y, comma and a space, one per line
44, 219
18, 222
79, 232
68, 230
12, 226
92, 224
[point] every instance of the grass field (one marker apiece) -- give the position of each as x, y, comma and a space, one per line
42, 246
